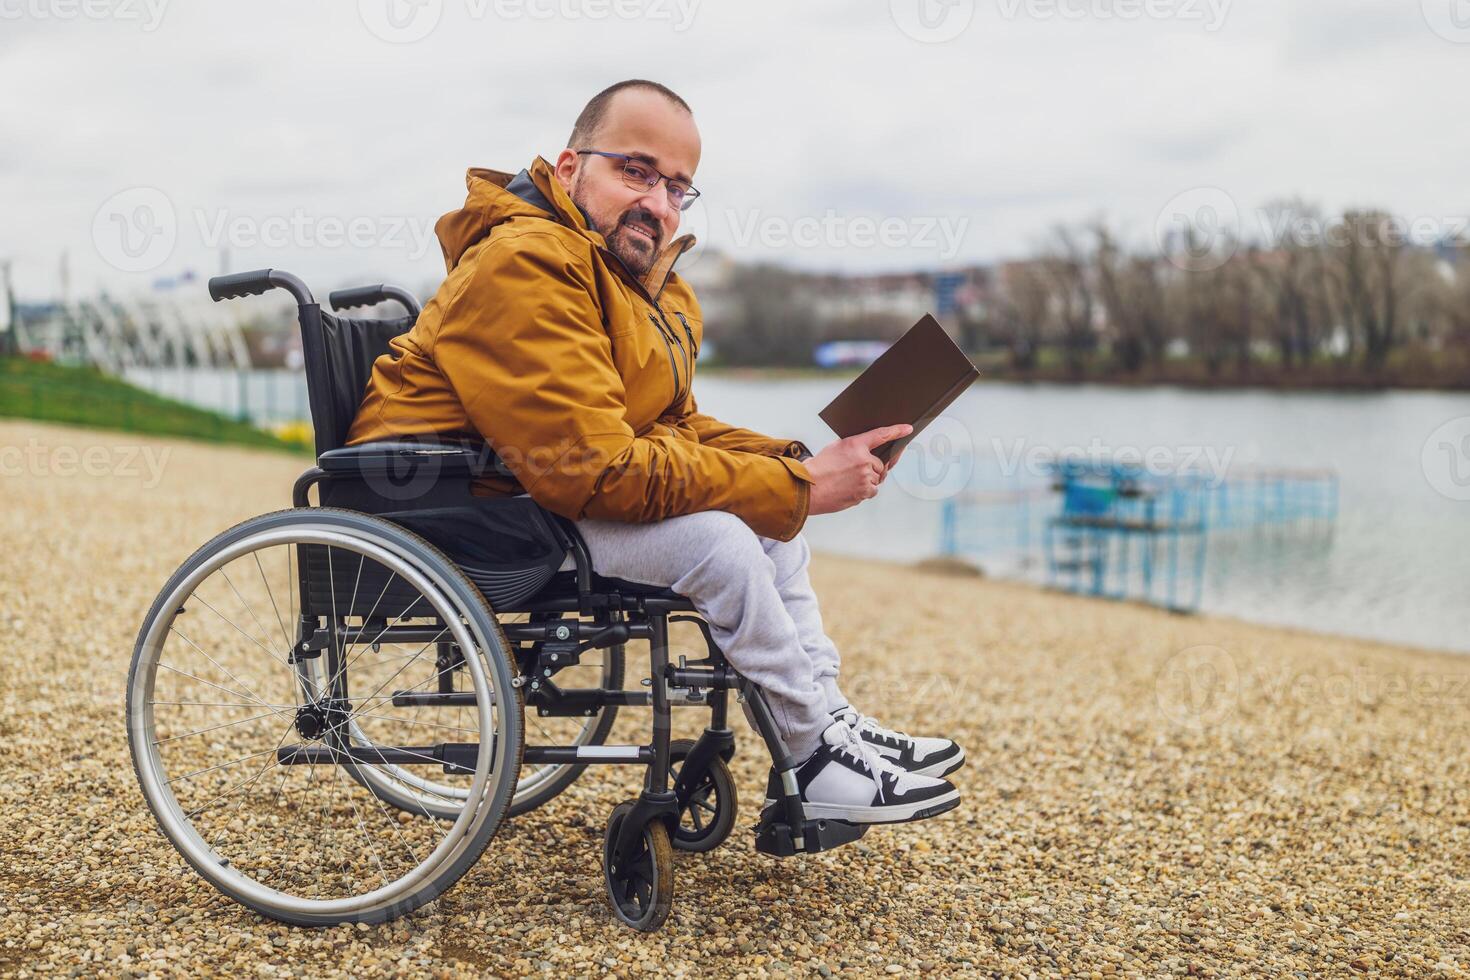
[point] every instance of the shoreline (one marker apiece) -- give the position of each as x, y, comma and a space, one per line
1351, 384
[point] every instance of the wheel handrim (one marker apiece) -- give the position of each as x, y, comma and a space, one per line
159, 786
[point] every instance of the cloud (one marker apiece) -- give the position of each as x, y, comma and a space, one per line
1017, 123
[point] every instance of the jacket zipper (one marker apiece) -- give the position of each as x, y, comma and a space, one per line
688, 357
674, 364
693, 350
660, 327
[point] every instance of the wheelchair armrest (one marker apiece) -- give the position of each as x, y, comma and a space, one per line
391, 457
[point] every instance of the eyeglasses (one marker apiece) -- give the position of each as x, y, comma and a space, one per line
642, 177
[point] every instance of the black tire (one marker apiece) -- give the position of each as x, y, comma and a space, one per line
478, 616
642, 893
708, 816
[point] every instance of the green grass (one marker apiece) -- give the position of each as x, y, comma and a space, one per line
87, 397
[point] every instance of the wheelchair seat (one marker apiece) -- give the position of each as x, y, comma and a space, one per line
564, 583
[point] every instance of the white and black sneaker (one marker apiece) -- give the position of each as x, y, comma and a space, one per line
846, 780
922, 756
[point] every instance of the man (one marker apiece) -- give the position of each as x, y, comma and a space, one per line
563, 337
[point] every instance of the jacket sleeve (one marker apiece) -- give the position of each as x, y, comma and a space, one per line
710, 431
524, 348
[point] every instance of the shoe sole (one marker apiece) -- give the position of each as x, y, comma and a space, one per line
941, 769
901, 813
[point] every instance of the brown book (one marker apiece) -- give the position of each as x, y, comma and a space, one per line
912, 381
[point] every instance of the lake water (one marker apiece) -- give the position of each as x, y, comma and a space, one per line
1396, 565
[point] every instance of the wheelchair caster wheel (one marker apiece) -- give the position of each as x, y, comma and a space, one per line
707, 817
641, 890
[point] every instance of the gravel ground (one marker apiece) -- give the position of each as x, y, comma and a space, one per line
1147, 795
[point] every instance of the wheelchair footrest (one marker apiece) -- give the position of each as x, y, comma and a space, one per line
774, 837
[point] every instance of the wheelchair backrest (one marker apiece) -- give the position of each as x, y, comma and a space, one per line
339, 352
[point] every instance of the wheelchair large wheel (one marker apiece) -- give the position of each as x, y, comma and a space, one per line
280, 688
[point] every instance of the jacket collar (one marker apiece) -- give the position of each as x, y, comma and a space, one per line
538, 187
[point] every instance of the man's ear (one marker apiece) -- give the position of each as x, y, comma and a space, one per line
567, 162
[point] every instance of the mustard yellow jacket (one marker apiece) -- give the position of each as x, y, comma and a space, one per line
577, 374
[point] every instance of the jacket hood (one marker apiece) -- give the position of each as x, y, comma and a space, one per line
495, 197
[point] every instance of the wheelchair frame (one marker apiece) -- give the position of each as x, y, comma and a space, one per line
569, 614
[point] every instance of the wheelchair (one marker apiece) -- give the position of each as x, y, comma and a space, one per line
332, 708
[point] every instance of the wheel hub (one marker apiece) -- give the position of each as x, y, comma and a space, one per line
316, 719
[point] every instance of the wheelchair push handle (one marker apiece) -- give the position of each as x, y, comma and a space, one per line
346, 299
258, 281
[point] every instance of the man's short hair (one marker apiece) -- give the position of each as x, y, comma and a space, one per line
595, 111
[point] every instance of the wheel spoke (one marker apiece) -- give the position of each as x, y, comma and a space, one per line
210, 724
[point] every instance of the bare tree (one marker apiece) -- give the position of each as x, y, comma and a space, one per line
1065, 265
1365, 263
768, 319
1025, 312
1132, 292
1292, 279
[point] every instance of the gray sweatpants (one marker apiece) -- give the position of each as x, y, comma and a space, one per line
754, 593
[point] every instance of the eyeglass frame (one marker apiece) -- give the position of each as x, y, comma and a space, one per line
689, 198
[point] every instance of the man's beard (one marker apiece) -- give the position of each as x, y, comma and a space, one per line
636, 252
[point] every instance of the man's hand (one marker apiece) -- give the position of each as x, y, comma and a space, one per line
846, 472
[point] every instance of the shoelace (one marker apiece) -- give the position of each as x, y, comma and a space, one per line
857, 749
866, 723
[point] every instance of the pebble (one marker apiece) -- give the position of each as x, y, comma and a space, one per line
1294, 835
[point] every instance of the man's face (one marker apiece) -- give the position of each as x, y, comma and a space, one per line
636, 223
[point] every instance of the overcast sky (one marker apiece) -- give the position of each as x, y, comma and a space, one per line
140, 136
